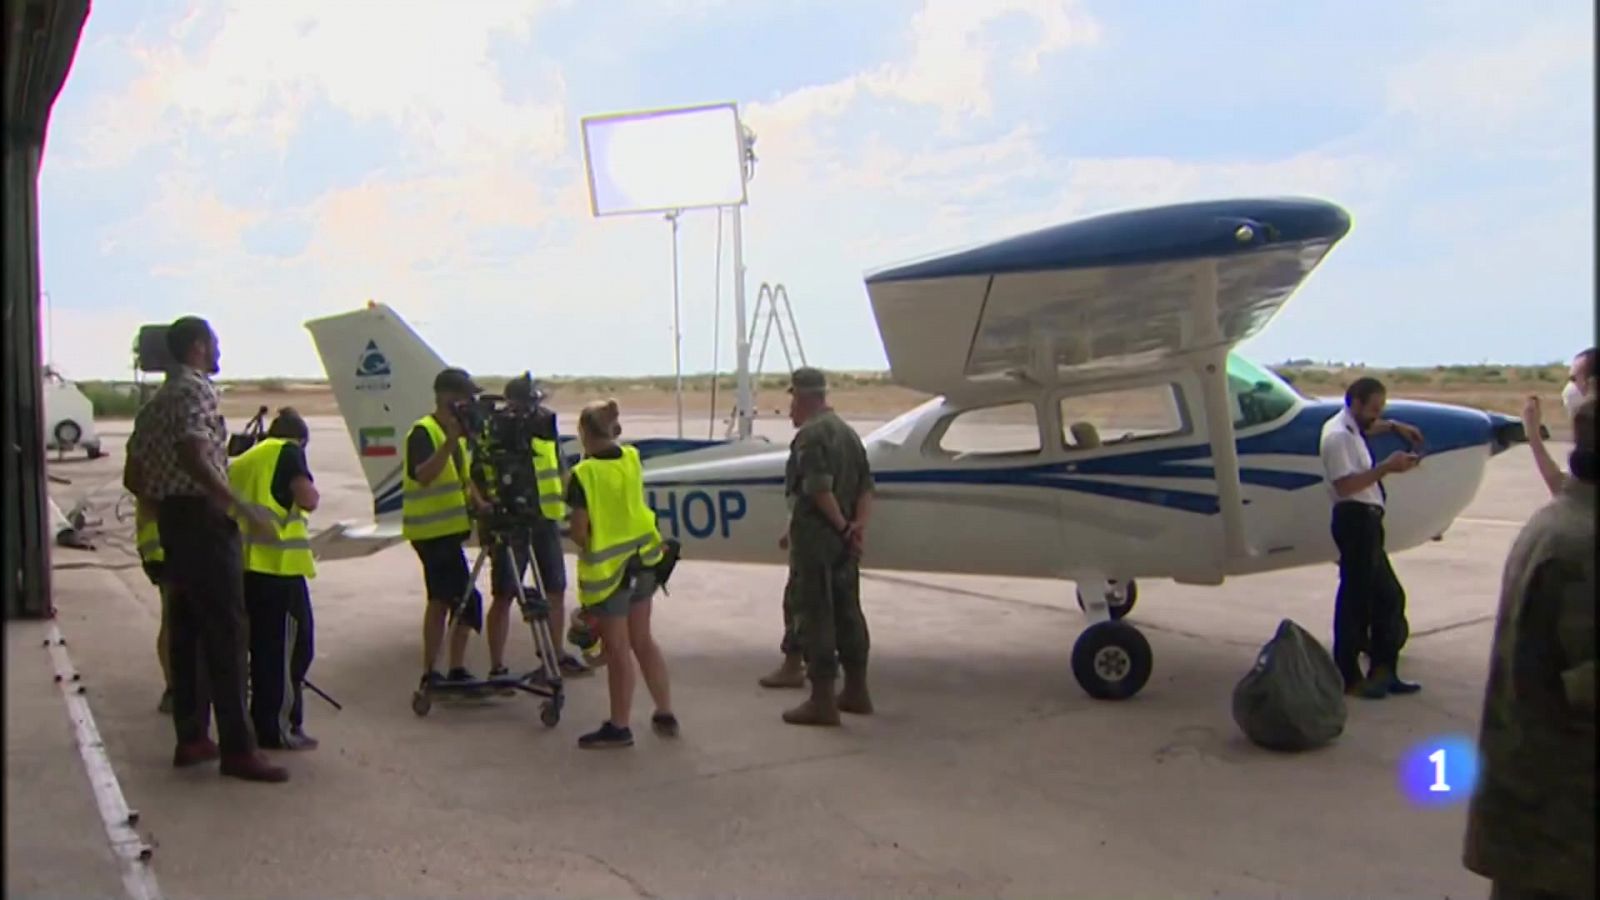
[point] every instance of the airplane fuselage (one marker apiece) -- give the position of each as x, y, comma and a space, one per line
1138, 510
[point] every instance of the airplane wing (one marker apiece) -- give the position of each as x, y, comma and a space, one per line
1113, 291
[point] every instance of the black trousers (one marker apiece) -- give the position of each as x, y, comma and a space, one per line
208, 631
281, 650
1369, 612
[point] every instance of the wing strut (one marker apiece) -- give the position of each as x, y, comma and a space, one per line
1212, 369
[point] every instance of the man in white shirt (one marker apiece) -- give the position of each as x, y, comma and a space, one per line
1369, 612
1580, 382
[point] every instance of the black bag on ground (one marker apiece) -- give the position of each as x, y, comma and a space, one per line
1293, 699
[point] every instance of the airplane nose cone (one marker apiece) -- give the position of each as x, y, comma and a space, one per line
1506, 431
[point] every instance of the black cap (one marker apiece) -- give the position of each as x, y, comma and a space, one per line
455, 381
524, 388
806, 380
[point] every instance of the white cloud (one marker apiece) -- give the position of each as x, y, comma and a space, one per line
1472, 97
843, 184
952, 62
421, 66
950, 67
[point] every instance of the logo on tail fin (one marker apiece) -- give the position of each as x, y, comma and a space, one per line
372, 370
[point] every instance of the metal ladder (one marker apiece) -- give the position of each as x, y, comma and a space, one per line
772, 303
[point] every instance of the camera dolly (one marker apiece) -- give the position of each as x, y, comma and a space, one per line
544, 681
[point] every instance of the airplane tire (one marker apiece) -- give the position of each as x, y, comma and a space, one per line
67, 434
1127, 592
1112, 660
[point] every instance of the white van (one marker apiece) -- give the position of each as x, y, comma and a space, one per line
68, 417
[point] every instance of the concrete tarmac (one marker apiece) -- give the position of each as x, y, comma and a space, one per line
987, 772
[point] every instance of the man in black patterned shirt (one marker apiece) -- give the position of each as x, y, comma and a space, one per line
178, 462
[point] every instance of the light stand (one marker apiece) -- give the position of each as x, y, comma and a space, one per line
677, 335
745, 403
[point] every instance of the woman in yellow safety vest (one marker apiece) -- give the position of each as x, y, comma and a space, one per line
618, 545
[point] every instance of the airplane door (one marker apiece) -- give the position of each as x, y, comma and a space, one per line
979, 500
1139, 494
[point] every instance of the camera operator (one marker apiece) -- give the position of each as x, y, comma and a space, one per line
436, 518
542, 535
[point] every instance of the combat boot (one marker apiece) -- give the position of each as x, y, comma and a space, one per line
854, 697
821, 709
791, 674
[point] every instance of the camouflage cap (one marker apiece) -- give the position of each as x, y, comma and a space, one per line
806, 380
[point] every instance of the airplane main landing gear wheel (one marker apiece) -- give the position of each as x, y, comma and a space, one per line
1121, 597
1112, 660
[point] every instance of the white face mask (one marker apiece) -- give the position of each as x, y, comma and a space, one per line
1573, 395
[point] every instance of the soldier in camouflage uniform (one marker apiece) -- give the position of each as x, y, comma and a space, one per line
829, 484
1531, 826
791, 673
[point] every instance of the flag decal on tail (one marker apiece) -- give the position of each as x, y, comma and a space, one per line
378, 442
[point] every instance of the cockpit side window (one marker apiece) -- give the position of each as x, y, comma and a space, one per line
1005, 430
1124, 415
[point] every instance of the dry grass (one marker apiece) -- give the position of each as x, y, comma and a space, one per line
874, 395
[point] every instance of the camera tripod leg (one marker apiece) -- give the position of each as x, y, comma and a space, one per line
537, 615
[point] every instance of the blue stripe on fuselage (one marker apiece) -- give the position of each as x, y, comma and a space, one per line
1444, 428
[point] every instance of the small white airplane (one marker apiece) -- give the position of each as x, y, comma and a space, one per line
1091, 422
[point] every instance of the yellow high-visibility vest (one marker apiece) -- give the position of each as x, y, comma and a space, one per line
438, 509
147, 536
621, 525
547, 468
288, 550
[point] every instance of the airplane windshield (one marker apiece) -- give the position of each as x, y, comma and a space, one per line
898, 429
1256, 393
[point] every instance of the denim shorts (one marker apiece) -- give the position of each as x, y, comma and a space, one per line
637, 587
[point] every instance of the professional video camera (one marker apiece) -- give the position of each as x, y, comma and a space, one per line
254, 431
500, 433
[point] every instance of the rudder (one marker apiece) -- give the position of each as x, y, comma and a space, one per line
382, 375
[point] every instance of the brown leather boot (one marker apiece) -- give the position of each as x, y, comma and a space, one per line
791, 674
820, 709
253, 767
193, 753
854, 697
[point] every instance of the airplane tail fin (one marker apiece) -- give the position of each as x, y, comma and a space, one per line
382, 376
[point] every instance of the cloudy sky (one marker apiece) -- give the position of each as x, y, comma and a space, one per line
270, 161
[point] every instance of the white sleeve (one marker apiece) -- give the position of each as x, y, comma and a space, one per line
1340, 458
